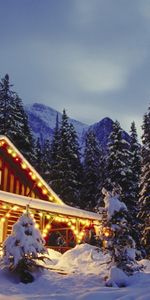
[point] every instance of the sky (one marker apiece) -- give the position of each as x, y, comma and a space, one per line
91, 57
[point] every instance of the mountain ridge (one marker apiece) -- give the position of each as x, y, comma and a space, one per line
42, 120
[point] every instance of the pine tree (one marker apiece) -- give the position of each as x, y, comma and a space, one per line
144, 201
7, 104
93, 172
76, 161
64, 163
38, 156
119, 162
46, 160
55, 143
55, 173
117, 234
22, 135
135, 150
135, 153
13, 119
22, 248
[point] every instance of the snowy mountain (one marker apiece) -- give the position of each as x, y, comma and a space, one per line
42, 120
102, 130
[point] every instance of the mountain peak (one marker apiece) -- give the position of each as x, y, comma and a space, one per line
42, 120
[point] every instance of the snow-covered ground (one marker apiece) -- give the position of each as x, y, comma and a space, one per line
85, 280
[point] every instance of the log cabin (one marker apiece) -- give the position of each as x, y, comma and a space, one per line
61, 225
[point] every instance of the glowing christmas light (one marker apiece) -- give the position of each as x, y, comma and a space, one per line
4, 206
23, 165
108, 232
72, 227
3, 219
44, 191
48, 226
33, 177
14, 154
9, 150
15, 208
73, 220
39, 184
37, 225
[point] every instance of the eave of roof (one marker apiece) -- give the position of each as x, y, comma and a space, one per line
46, 206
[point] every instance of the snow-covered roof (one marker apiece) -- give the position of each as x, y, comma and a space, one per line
48, 188
46, 206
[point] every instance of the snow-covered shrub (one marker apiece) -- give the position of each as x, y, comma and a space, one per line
117, 236
24, 247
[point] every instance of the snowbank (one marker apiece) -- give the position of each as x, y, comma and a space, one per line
54, 255
85, 259
117, 278
85, 280
146, 264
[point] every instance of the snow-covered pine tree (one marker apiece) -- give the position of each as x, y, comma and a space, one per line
22, 137
55, 158
55, 143
117, 233
46, 160
76, 162
119, 162
135, 152
144, 201
7, 104
38, 156
24, 248
93, 172
65, 179
13, 119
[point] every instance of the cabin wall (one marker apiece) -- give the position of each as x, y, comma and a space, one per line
16, 180
12, 183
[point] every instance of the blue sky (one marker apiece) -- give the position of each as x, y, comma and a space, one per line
91, 57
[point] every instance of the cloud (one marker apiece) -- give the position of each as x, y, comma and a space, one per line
144, 8
89, 56
99, 76
84, 11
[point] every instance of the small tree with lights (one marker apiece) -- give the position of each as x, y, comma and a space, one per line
117, 235
24, 248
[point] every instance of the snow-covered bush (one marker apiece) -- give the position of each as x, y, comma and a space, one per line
117, 236
24, 246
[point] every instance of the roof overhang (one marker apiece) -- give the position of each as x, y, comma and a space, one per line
46, 206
